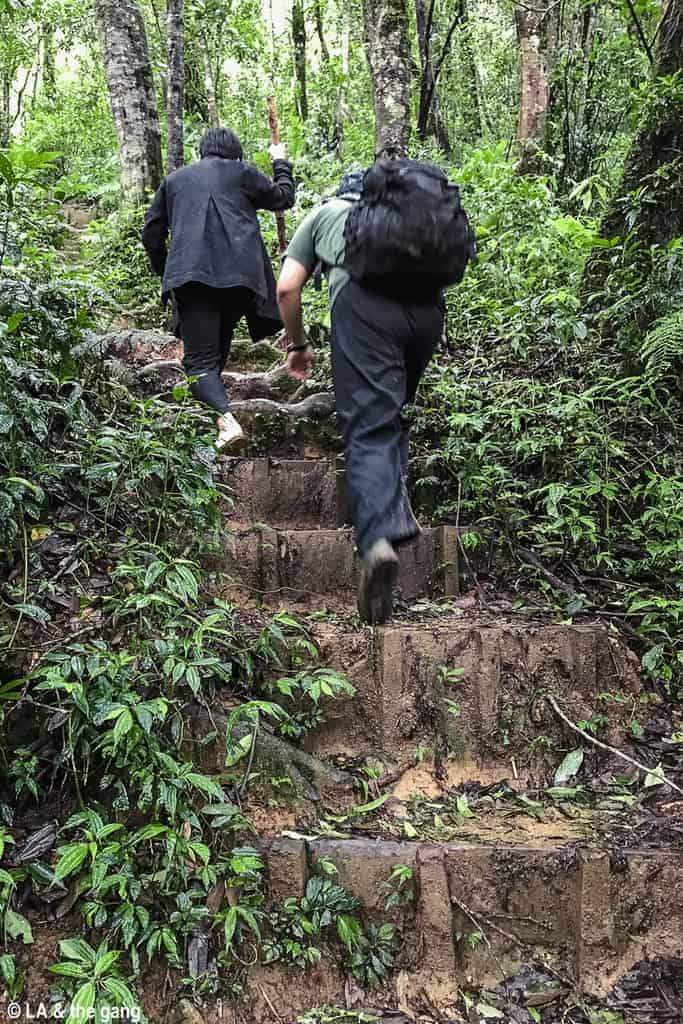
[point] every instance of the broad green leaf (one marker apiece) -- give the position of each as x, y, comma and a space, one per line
230, 926
489, 1012
82, 1004
120, 993
148, 832
106, 962
17, 927
71, 860
206, 785
69, 970
77, 949
124, 724
655, 777
569, 767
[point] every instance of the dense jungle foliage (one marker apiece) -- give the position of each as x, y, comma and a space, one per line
548, 426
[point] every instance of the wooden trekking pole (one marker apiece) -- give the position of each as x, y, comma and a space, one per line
275, 141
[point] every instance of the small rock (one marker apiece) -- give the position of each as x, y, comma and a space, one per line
187, 1013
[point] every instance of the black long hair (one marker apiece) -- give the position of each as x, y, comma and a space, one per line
221, 142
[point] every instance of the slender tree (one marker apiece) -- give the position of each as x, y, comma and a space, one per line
49, 73
429, 117
318, 13
209, 82
388, 51
131, 90
536, 31
341, 111
299, 43
175, 36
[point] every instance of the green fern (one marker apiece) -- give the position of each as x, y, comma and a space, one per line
663, 345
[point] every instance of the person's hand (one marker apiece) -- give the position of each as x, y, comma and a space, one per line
299, 363
278, 151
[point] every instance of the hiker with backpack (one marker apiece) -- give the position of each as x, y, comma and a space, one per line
389, 242
216, 269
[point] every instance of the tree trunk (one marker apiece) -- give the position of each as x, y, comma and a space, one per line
341, 106
5, 93
131, 91
388, 50
49, 75
175, 36
654, 163
318, 12
209, 83
536, 30
430, 119
299, 41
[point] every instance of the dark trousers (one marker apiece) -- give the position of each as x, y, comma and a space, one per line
380, 349
207, 318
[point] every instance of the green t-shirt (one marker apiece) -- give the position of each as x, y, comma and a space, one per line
320, 238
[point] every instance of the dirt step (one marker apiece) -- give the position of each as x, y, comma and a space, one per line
310, 566
483, 913
299, 493
468, 688
470, 685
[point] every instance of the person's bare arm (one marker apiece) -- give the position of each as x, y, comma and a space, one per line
292, 280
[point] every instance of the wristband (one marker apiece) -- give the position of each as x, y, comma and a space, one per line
298, 348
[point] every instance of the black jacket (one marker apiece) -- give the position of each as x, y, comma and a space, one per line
210, 209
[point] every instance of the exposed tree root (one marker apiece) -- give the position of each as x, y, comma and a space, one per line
271, 384
316, 406
139, 347
309, 775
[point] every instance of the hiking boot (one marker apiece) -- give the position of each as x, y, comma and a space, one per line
378, 576
230, 432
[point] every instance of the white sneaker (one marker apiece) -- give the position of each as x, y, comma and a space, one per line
229, 431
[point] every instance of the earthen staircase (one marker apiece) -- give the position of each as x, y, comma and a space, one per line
556, 889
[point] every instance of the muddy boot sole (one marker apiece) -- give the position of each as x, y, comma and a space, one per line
377, 582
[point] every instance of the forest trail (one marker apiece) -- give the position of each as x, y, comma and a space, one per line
511, 874
224, 800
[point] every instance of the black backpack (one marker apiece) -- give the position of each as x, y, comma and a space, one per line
407, 236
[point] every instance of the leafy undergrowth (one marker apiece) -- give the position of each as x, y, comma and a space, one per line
551, 430
113, 636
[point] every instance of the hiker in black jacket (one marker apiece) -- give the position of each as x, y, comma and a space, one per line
216, 265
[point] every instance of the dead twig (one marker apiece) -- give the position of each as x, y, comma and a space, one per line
272, 1008
609, 749
531, 559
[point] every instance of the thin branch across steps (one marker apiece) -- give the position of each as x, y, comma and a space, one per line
605, 746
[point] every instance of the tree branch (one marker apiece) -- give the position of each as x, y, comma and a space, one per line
610, 750
639, 30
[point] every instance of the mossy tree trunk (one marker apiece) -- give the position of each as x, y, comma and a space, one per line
655, 160
388, 49
131, 91
536, 32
